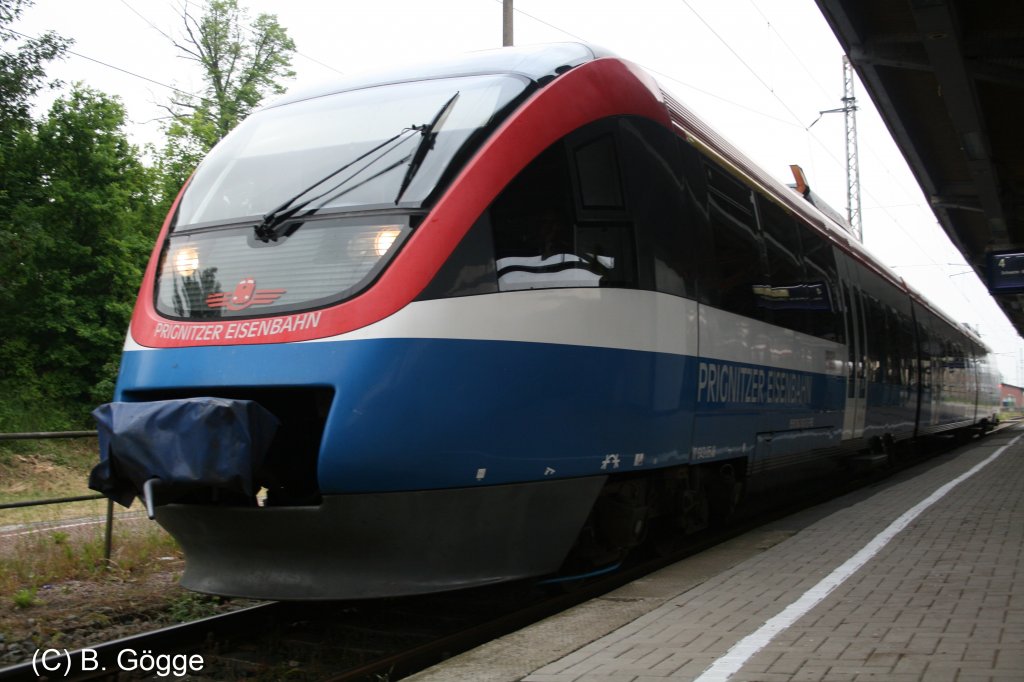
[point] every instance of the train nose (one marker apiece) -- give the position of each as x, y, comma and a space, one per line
162, 450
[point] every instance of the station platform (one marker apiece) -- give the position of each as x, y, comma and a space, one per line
919, 577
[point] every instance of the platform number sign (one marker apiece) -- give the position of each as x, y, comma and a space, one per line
1006, 272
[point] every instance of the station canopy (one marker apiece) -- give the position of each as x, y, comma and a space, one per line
948, 79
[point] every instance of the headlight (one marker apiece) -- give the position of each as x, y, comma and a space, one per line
386, 236
373, 241
186, 261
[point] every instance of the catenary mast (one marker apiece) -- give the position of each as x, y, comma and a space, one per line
852, 164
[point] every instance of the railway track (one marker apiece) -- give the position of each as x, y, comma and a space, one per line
109, 659
363, 641
346, 641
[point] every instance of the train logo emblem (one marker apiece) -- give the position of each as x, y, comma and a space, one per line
244, 295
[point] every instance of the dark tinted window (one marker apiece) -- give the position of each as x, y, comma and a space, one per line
541, 241
823, 319
878, 339
787, 295
890, 339
738, 247
470, 268
597, 167
664, 205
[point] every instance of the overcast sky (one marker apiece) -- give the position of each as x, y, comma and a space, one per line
758, 71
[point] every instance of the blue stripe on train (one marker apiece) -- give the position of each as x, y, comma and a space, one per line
432, 413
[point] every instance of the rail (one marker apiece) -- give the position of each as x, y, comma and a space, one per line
108, 531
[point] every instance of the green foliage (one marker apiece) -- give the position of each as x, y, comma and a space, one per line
79, 211
22, 76
22, 72
25, 598
78, 237
190, 606
242, 62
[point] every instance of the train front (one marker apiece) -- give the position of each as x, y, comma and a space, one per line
270, 406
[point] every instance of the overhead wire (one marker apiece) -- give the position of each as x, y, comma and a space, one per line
660, 73
116, 68
548, 24
743, 62
150, 23
825, 147
796, 57
148, 79
181, 8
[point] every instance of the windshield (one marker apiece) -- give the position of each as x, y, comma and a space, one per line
279, 152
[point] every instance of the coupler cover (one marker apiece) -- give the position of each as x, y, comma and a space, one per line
184, 444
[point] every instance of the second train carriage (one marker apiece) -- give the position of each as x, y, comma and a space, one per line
503, 309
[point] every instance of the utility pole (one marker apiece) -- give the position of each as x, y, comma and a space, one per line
849, 109
506, 23
852, 162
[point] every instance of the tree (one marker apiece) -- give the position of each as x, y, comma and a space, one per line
22, 71
242, 62
22, 75
77, 242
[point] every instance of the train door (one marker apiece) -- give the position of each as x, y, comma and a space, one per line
855, 409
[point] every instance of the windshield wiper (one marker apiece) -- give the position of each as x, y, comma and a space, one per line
429, 132
269, 229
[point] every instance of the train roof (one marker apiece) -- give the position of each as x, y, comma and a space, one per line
536, 62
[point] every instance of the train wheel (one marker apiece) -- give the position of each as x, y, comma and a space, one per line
725, 490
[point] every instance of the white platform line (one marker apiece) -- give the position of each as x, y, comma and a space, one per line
741, 652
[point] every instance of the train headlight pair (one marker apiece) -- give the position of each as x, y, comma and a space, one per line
375, 242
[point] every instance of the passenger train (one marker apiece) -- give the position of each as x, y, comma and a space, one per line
495, 317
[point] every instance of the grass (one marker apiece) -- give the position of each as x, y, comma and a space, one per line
25, 598
191, 606
38, 469
49, 544
46, 557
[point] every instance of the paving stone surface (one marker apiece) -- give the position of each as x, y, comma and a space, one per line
942, 600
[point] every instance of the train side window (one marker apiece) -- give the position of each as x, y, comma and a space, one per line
926, 352
878, 339
664, 206
820, 267
597, 172
469, 270
787, 295
540, 241
738, 247
907, 343
897, 326
608, 250
957, 365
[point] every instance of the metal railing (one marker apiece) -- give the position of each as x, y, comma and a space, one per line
41, 435
108, 532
